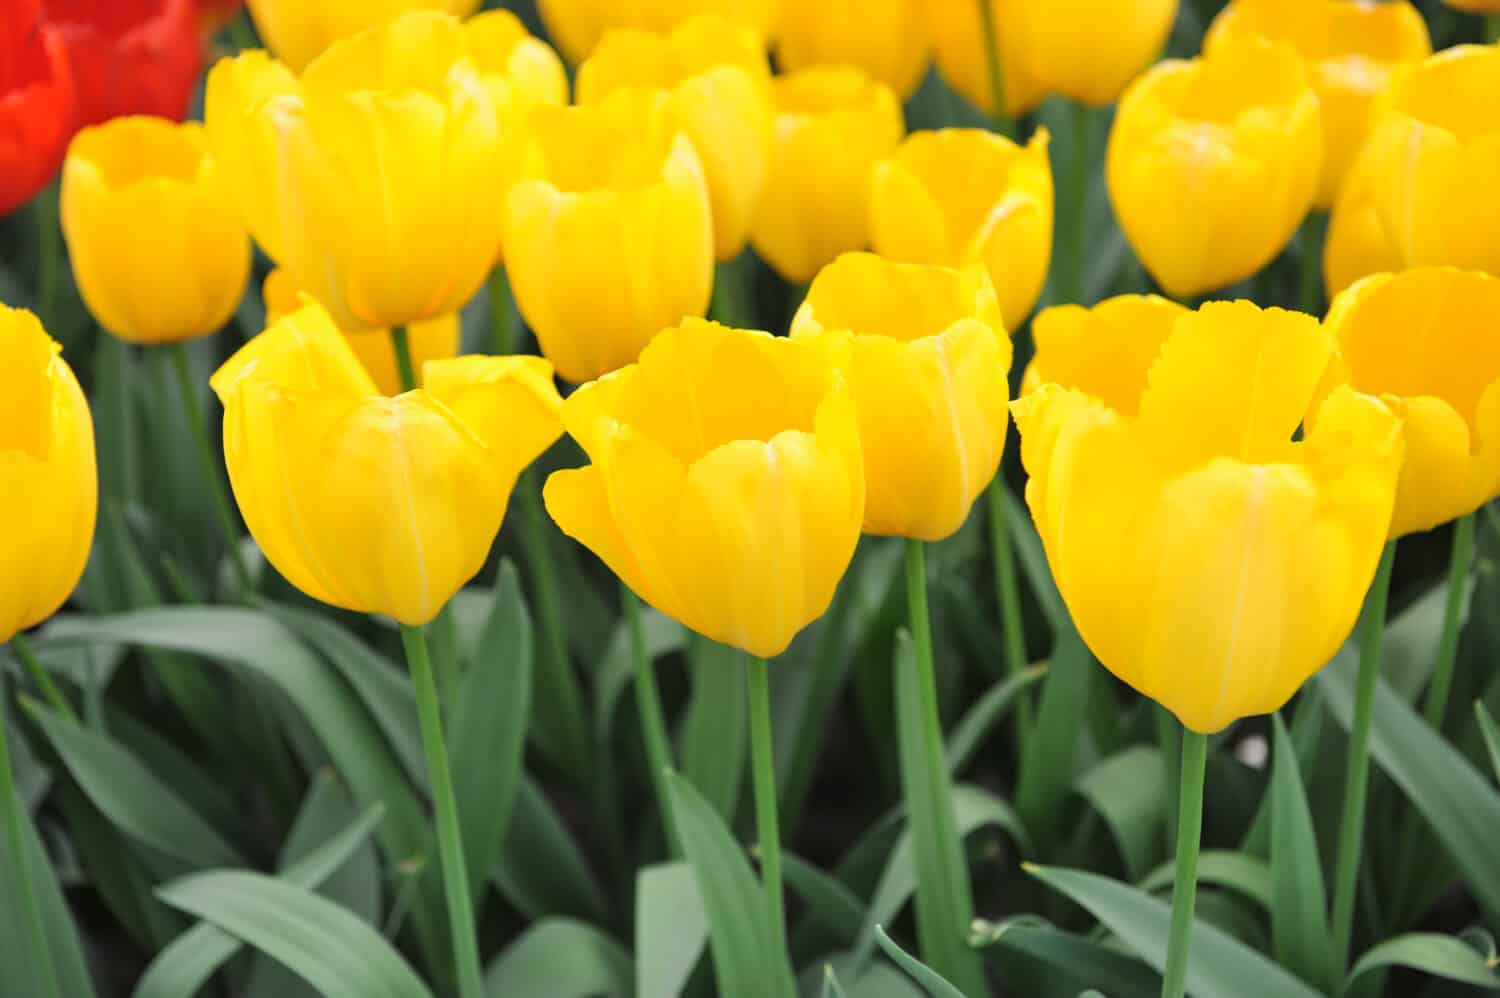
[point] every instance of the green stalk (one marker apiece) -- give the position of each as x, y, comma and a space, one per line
1185, 884
1459, 564
1001, 118
1076, 247
1008, 590
402, 344
1492, 28
1310, 274
39, 675
502, 323
953, 894
13, 813
1169, 740
763, 771
450, 839
210, 464
1357, 774
653, 718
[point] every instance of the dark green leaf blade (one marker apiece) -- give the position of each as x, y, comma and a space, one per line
561, 958
1303, 942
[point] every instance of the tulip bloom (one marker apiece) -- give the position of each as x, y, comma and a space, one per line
383, 233
129, 56
889, 39
1431, 160
833, 124
1106, 350
958, 34
609, 235
1351, 48
297, 32
927, 355
36, 103
531, 73
1209, 560
959, 195
435, 339
157, 245
578, 25
1090, 50
47, 469
1424, 341
1357, 244
725, 484
717, 83
1214, 162
370, 503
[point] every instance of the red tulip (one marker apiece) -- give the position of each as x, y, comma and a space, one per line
36, 102
130, 56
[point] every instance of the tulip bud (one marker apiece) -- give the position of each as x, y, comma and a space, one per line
961, 195
724, 485
609, 236
888, 39
1090, 50
833, 124
577, 25
1208, 559
158, 248
36, 103
958, 33
129, 56
297, 32
927, 356
1213, 163
48, 475
1424, 341
371, 503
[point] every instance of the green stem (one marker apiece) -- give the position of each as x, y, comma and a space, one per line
13, 813
1076, 249
39, 675
1169, 741
502, 322
450, 839
653, 718
1000, 116
763, 769
210, 465
402, 344
1008, 589
49, 255
1185, 884
1459, 564
1310, 276
1357, 774
1492, 28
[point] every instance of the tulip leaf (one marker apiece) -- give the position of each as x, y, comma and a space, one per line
182, 968
1430, 953
1032, 557
130, 795
740, 934
540, 869
671, 929
1128, 789
561, 958
487, 727
1040, 961
1491, 734
1219, 966
1460, 805
1246, 875
715, 728
987, 713
1047, 766
328, 946
1303, 942
828, 901
932, 982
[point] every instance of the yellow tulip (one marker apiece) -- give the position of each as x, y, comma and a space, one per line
833, 124
717, 83
960, 195
888, 39
1106, 351
47, 471
298, 31
1090, 50
375, 179
532, 74
1213, 163
158, 248
577, 25
1209, 560
1425, 342
371, 503
927, 355
1351, 48
1431, 155
958, 34
609, 236
1357, 244
435, 339
725, 485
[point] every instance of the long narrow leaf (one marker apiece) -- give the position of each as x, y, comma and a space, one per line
1299, 913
